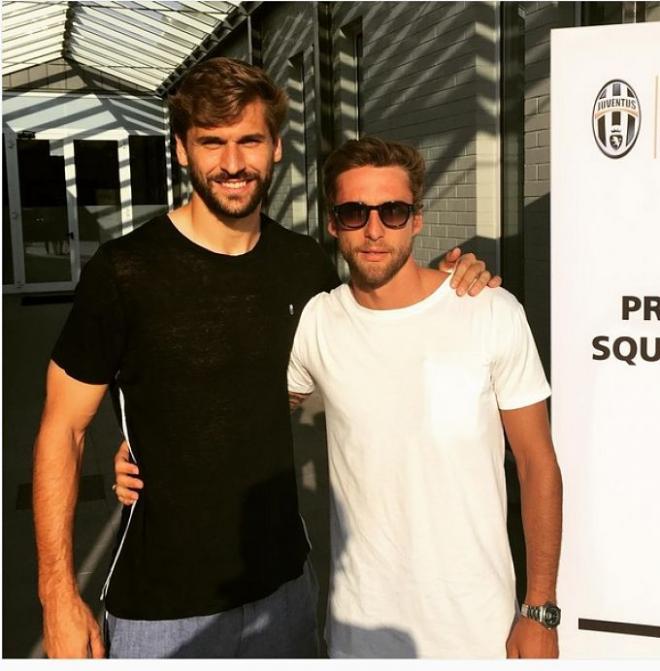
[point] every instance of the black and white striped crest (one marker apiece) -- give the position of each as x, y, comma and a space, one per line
616, 118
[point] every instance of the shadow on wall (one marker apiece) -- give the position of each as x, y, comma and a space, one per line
424, 103
141, 112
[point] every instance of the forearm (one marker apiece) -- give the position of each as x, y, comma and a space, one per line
541, 498
57, 459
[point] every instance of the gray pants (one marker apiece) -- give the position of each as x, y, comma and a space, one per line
281, 625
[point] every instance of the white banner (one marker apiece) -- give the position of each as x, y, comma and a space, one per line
606, 335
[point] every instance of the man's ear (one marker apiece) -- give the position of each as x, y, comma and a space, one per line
181, 153
277, 153
332, 228
417, 222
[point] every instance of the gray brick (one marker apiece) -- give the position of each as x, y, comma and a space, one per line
456, 204
448, 218
544, 138
464, 163
445, 191
539, 155
539, 87
535, 189
469, 177
539, 70
466, 191
404, 49
431, 220
531, 140
544, 172
531, 106
537, 122
466, 219
538, 45
531, 173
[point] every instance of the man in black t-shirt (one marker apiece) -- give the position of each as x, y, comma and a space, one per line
191, 317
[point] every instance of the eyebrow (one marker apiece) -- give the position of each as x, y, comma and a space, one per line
244, 138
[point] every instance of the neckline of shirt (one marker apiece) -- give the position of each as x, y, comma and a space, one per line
228, 258
346, 296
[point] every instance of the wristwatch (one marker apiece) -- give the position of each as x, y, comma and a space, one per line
549, 614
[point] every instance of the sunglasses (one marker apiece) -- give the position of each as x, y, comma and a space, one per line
393, 214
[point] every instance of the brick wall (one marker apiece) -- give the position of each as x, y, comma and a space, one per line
423, 66
60, 75
288, 53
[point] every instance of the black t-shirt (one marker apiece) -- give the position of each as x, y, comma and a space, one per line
198, 343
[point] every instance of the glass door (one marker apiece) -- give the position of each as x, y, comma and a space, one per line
98, 198
44, 222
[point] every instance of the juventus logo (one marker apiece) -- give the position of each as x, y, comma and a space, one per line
616, 118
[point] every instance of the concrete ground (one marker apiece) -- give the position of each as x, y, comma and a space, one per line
29, 333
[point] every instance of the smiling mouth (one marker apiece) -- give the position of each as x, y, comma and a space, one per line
233, 184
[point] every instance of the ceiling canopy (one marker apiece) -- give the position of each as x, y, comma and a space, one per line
148, 44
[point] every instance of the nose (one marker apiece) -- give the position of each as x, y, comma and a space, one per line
374, 229
232, 159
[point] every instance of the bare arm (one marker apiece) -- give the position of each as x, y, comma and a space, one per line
70, 629
528, 431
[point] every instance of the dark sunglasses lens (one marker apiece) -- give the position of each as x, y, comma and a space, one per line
352, 215
394, 214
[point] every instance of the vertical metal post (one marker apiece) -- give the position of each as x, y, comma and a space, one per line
71, 205
15, 211
125, 193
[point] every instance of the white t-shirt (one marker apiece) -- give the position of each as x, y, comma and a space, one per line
421, 565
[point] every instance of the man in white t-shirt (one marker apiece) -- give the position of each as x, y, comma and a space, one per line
418, 386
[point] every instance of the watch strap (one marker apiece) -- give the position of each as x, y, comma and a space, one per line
538, 613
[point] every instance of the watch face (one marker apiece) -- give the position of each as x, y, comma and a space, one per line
552, 615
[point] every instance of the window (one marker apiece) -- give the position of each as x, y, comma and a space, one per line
148, 177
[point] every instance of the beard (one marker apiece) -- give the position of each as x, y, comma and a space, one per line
231, 207
369, 275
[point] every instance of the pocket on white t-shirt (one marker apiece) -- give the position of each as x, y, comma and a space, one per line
457, 393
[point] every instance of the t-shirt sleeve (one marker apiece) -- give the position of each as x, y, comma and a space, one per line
517, 372
91, 343
299, 379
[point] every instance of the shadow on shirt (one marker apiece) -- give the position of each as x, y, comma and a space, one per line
309, 431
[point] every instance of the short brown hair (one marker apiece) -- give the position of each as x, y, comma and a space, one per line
216, 91
370, 150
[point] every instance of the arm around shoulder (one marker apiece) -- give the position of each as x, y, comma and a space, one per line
69, 626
